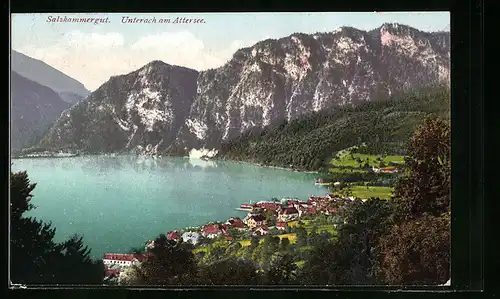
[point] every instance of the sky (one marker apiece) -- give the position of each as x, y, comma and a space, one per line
93, 52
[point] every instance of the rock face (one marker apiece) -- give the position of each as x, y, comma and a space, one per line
272, 81
138, 111
44, 74
34, 108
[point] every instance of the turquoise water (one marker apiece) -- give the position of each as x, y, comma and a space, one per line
120, 202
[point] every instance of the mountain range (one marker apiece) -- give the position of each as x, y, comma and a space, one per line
38, 71
39, 93
34, 108
161, 108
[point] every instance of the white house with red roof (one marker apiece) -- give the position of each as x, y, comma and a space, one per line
288, 214
260, 231
121, 259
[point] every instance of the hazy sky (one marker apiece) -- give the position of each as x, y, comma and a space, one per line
91, 53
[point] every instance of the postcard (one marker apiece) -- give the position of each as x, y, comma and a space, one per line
220, 149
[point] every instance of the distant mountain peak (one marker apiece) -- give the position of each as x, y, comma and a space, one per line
44, 74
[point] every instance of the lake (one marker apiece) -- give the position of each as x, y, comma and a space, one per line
121, 202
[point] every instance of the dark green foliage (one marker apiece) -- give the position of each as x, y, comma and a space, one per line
285, 244
349, 260
382, 148
228, 271
426, 185
417, 249
416, 252
168, 264
282, 270
301, 237
307, 142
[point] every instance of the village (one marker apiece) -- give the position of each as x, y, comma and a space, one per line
262, 218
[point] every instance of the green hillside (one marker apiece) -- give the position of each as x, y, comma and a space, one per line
309, 143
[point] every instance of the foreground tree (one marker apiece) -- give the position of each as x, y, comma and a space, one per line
282, 270
417, 249
35, 257
168, 263
229, 271
425, 185
416, 252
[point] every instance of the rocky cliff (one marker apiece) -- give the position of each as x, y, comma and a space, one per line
163, 108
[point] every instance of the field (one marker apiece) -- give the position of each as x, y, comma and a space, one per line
308, 225
344, 159
365, 192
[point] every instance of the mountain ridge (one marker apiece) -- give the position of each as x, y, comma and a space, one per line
45, 74
271, 81
34, 108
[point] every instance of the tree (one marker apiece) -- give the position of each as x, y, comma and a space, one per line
416, 252
301, 236
254, 242
269, 246
228, 271
349, 259
75, 257
167, 264
285, 243
417, 248
425, 186
34, 255
20, 195
282, 270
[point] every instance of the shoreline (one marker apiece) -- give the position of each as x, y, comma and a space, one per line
17, 157
268, 166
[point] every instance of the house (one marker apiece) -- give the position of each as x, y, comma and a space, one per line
281, 225
174, 235
255, 221
268, 206
211, 231
288, 214
236, 223
190, 237
123, 260
223, 228
260, 231
229, 238
250, 215
389, 170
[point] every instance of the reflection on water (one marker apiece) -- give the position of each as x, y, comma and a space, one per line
197, 162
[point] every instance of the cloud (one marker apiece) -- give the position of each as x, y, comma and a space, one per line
92, 58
